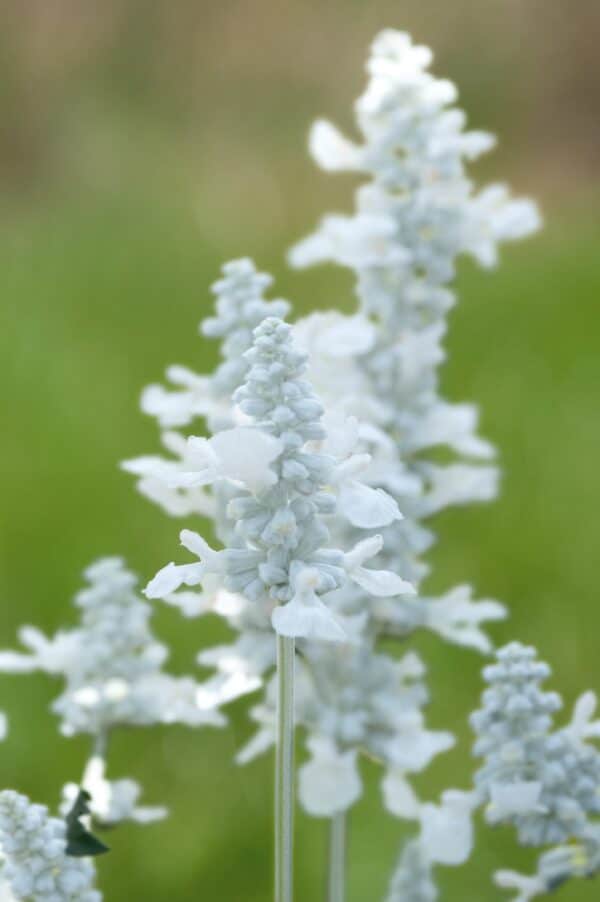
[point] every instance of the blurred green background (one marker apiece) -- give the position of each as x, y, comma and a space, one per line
143, 143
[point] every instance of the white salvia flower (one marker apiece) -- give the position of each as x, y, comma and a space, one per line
173, 576
399, 797
111, 801
446, 829
527, 888
330, 149
305, 615
37, 867
159, 478
283, 525
457, 618
329, 782
380, 583
582, 726
176, 408
365, 240
207, 460
412, 221
545, 783
111, 663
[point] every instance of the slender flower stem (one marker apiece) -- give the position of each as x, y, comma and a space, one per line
284, 772
96, 763
336, 890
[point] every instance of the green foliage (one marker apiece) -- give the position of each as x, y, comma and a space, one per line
80, 842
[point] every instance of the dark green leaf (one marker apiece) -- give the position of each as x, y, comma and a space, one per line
80, 842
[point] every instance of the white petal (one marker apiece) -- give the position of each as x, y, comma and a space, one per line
399, 797
348, 337
329, 783
527, 887
366, 507
330, 149
363, 551
198, 546
245, 455
415, 750
381, 583
260, 743
582, 726
456, 617
447, 830
16, 662
171, 577
299, 620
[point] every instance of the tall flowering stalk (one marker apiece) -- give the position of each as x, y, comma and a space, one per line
543, 781
113, 671
277, 492
415, 215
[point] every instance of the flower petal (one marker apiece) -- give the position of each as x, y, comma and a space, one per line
366, 507
329, 783
171, 577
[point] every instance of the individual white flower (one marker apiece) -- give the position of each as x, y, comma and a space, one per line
49, 655
382, 583
447, 829
173, 576
305, 615
240, 454
457, 618
111, 801
330, 149
176, 408
329, 782
458, 484
527, 888
582, 726
365, 240
399, 797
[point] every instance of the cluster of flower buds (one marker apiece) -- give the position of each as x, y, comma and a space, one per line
544, 781
36, 865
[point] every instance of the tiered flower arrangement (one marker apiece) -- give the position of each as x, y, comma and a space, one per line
311, 451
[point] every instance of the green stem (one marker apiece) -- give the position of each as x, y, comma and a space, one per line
337, 858
284, 772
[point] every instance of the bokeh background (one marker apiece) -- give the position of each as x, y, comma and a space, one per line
142, 144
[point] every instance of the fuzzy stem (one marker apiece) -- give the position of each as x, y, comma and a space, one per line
284, 772
337, 858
